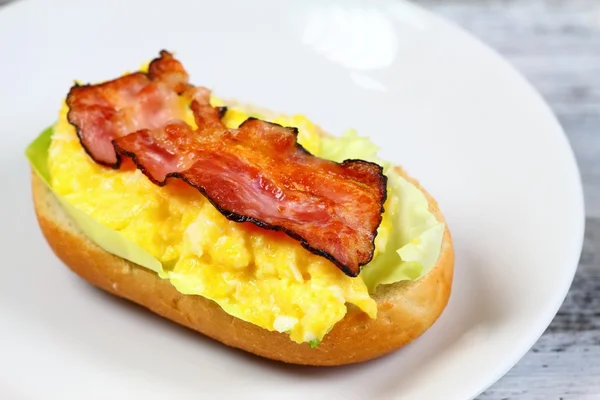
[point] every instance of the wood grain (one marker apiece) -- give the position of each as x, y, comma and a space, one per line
556, 45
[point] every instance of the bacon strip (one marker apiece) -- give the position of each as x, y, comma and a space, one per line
259, 173
103, 112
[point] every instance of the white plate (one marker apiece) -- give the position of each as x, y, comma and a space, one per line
438, 102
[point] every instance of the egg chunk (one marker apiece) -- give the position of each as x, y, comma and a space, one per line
259, 276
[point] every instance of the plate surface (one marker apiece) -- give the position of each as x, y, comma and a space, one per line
437, 101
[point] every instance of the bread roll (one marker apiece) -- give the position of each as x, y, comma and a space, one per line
405, 309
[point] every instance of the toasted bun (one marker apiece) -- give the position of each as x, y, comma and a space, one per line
405, 309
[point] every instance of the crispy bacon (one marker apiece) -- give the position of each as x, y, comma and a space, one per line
259, 173
103, 112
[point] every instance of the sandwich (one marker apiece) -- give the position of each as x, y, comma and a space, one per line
252, 227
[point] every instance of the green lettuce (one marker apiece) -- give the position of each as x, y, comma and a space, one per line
108, 239
415, 239
413, 245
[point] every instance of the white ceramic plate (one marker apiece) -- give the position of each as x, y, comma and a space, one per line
437, 101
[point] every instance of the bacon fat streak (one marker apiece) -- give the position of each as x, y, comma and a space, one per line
257, 173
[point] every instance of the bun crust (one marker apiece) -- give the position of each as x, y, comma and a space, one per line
405, 309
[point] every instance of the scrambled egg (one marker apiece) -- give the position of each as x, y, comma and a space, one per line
259, 276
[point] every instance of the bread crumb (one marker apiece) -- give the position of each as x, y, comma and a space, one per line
114, 285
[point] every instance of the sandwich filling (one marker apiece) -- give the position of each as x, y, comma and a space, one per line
261, 276
257, 172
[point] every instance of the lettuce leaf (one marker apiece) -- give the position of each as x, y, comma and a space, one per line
414, 243
108, 239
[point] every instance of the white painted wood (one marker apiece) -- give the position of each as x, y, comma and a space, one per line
556, 45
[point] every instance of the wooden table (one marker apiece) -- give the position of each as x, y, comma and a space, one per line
556, 45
